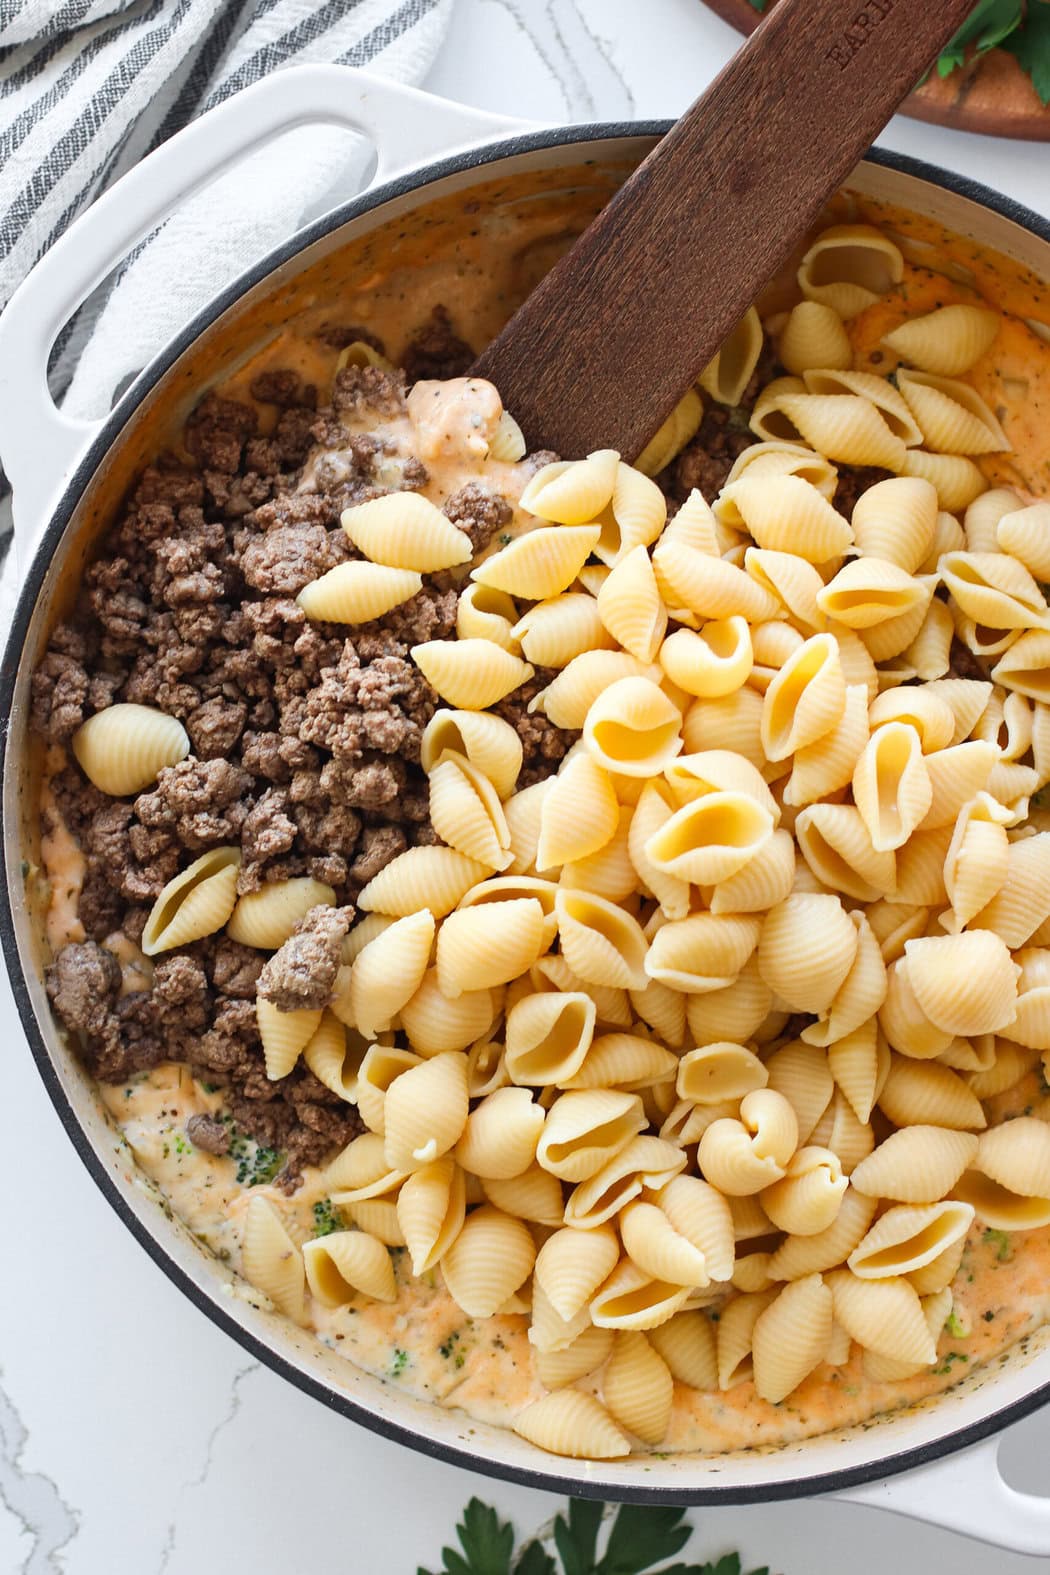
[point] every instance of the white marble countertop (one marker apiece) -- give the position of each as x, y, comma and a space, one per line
134, 1437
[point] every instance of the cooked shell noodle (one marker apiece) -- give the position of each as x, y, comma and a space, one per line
426, 877
726, 377
612, 1005
947, 341
662, 1009
523, 812
481, 947
570, 1422
345, 1263
734, 722
388, 971
948, 536
868, 591
574, 491
834, 841
360, 1171
793, 581
470, 674
938, 1274
957, 480
703, 952
501, 889
635, 517
687, 1344
861, 994
608, 872
1025, 534
764, 881
807, 947
541, 564
965, 984
700, 1214
633, 728
813, 336
630, 606
935, 1311
431, 1208
1007, 722
801, 1073
358, 592
672, 436
123, 748
579, 814
1016, 1154
404, 530
1025, 667
744, 1156
918, 1164
486, 1068
624, 1061
893, 923
860, 1064
637, 1387
267, 917
780, 458
197, 902
500, 1137
548, 1036
918, 1093
787, 514
585, 1129
994, 589
466, 812
554, 632
434, 1024
271, 1260
710, 839
601, 943
956, 775
828, 765
848, 267
903, 1021
732, 1013
998, 1207
631, 1299
486, 614
801, 1255
488, 1261
572, 1264
710, 587
534, 1195
982, 519
805, 700
568, 697
425, 1111
736, 1325
807, 1199
334, 1057
891, 785
711, 662
839, 1130
930, 651
953, 417
589, 1351
490, 745
715, 1072
846, 428
906, 1239
1031, 1025
791, 1337
895, 520
378, 1217
643, 1162
508, 444
977, 861
884, 1316
284, 1036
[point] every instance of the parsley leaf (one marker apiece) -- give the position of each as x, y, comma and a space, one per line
640, 1536
535, 1561
577, 1538
987, 25
1030, 45
486, 1541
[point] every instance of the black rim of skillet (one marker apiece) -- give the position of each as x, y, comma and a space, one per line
585, 1484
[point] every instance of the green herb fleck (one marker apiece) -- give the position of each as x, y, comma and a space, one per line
1001, 1241
399, 1362
326, 1218
255, 1165
181, 1145
505, 538
952, 1356
989, 1316
954, 1326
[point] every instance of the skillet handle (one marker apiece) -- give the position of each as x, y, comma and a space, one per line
39, 444
968, 1494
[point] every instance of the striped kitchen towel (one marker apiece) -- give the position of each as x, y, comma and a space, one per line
87, 87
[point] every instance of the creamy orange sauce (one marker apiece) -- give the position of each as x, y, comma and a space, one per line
64, 864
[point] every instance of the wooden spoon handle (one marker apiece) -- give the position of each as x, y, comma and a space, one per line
613, 336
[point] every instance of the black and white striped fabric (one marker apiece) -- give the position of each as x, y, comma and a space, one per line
87, 87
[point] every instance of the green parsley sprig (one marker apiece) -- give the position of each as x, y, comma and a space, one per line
1022, 27
638, 1539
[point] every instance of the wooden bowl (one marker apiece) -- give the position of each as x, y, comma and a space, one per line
992, 94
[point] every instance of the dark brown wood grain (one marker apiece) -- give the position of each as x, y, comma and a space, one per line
613, 336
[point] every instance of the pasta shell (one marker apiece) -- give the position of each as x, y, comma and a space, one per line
379, 1067
938, 1275
982, 519
652, 1242
734, 1012
523, 812
925, 1094
742, 1157
791, 1337
712, 662
425, 877
849, 266
389, 970
568, 698
787, 514
548, 1037
930, 651
884, 1316
805, 700
630, 606
734, 721
601, 943
778, 458
489, 1260
947, 537
466, 812
918, 1164
896, 520
584, 1130
470, 674
966, 984
814, 336
333, 1059
947, 341
624, 1061
1025, 534
953, 417
267, 917
861, 994
792, 580
635, 516
703, 952
801, 1255
378, 1218
868, 591
570, 1422
404, 530
834, 841
500, 1137
930, 715
1031, 1025
717, 771
736, 1324
847, 428
434, 1024
839, 1130
828, 765
709, 587
608, 872
687, 1344
726, 377
710, 839
768, 420
967, 698
554, 632
630, 1299
807, 1200
1016, 1154
490, 745
860, 1064
994, 589
122, 749
513, 888
957, 480
891, 785
807, 978
763, 882
486, 1068
956, 775
662, 1010
633, 728
638, 1388
700, 1214
673, 435
719, 1071
579, 815
612, 1005
906, 1239
197, 902
431, 1209
542, 563
479, 948
589, 1351
534, 1195
643, 1162
903, 1021
998, 1207
571, 492
977, 860
572, 1264
345, 1263
1023, 668
271, 1260
486, 614
360, 1171
358, 592
284, 1036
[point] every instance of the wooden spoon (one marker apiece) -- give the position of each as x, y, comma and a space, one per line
613, 336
